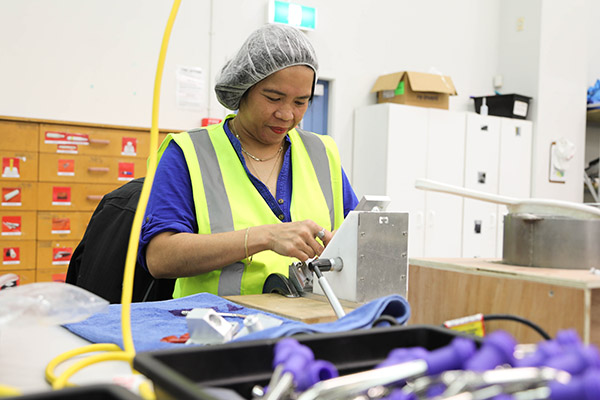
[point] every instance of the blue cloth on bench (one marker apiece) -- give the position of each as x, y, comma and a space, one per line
152, 321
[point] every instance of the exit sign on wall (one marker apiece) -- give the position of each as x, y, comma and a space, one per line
297, 15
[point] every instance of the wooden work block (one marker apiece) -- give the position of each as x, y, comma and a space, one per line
554, 299
311, 310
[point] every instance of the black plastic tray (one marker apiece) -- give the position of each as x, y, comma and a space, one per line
91, 392
502, 105
181, 373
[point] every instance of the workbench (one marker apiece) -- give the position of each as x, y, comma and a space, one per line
310, 308
441, 289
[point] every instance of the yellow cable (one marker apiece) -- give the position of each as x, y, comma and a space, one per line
7, 391
114, 353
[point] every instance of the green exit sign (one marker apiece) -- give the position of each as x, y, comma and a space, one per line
297, 15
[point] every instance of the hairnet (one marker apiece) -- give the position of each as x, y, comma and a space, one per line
267, 50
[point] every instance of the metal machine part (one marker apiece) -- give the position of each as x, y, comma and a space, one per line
547, 241
301, 277
207, 327
373, 246
278, 283
315, 266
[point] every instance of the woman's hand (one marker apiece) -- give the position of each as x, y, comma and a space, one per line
301, 239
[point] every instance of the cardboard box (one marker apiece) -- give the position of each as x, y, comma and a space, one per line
414, 88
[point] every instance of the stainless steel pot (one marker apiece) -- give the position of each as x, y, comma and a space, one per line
548, 241
541, 232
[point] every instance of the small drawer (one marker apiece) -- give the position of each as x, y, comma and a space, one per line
55, 253
57, 274
18, 166
19, 136
18, 225
82, 169
67, 139
62, 225
18, 196
25, 275
71, 196
18, 254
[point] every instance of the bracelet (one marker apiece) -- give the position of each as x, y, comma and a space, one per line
246, 246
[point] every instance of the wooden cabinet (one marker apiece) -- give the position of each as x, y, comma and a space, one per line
555, 299
396, 144
54, 174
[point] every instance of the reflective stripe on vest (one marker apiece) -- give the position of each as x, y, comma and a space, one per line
213, 205
219, 210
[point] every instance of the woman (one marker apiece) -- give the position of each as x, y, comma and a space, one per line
237, 201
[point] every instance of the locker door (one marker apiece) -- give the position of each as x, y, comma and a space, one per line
407, 146
481, 173
445, 163
514, 176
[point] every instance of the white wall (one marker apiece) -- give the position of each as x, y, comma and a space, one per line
95, 60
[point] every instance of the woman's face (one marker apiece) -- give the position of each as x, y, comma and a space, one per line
276, 104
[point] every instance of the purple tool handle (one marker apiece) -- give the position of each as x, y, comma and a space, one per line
449, 357
568, 337
293, 356
576, 360
497, 349
316, 371
544, 351
400, 355
585, 387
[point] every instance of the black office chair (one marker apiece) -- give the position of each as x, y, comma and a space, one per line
98, 262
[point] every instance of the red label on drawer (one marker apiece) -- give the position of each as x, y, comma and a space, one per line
11, 196
11, 225
126, 171
61, 196
66, 167
10, 167
66, 138
61, 226
61, 255
129, 146
11, 256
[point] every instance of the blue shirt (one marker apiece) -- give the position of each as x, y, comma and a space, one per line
171, 204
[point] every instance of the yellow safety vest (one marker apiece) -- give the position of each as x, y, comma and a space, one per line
226, 200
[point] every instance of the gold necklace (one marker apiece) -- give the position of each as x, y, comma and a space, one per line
252, 156
266, 182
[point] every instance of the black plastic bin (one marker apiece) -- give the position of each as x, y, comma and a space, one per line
91, 392
505, 105
181, 373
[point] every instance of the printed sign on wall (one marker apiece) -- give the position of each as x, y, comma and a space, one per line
11, 225
126, 171
11, 256
61, 226
61, 255
129, 146
66, 167
11, 196
10, 167
61, 196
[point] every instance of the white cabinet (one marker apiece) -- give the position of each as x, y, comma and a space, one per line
514, 179
395, 144
481, 174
